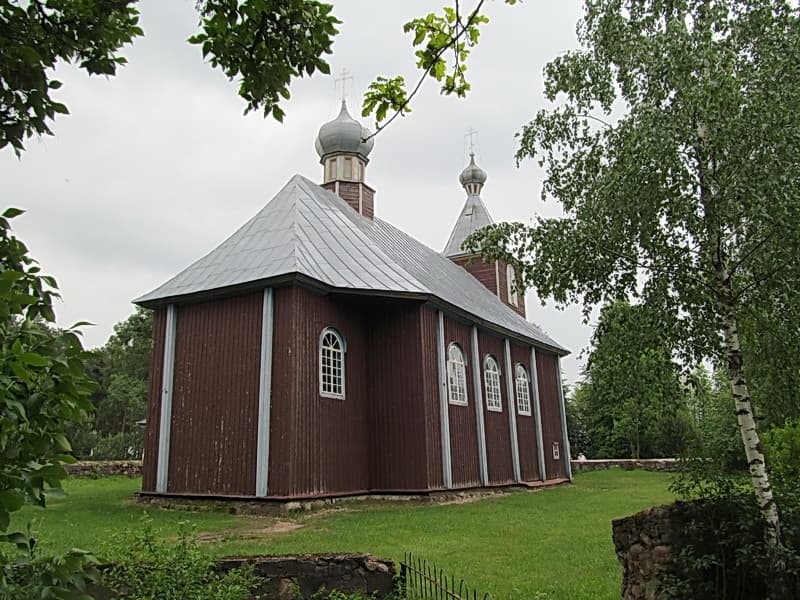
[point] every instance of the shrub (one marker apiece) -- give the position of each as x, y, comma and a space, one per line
119, 446
153, 569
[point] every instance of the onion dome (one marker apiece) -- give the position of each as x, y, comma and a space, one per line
344, 135
473, 177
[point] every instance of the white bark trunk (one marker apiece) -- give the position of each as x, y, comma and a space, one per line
747, 427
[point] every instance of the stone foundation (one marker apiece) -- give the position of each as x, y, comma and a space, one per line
105, 468
645, 543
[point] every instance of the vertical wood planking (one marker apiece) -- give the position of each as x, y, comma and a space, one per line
431, 392
537, 407
526, 424
216, 397
464, 459
150, 462
498, 438
547, 366
564, 433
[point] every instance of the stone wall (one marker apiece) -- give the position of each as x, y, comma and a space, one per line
645, 544
305, 576
647, 464
106, 468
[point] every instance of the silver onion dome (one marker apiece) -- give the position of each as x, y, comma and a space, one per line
473, 177
344, 135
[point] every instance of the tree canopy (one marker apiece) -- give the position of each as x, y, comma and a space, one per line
672, 150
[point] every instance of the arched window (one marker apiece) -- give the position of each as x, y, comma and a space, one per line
456, 375
523, 394
491, 379
556, 451
331, 364
513, 294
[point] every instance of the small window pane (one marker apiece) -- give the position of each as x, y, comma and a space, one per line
456, 375
331, 364
523, 394
492, 383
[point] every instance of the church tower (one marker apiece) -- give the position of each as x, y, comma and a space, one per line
497, 276
343, 146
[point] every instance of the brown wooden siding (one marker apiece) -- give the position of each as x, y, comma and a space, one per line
430, 378
526, 425
215, 397
349, 192
485, 272
463, 427
502, 268
149, 466
498, 437
397, 395
551, 414
318, 446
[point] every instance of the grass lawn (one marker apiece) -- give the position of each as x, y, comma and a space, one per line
556, 542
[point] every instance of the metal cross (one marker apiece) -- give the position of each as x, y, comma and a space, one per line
471, 134
345, 75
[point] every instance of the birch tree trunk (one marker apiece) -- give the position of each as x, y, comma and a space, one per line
744, 414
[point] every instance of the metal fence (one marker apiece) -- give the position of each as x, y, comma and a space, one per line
422, 580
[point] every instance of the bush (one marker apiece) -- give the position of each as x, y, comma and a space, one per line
152, 569
119, 446
725, 556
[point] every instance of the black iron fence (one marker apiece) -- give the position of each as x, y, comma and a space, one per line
422, 580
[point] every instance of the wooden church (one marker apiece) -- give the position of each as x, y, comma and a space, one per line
319, 351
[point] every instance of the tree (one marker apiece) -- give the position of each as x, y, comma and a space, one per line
632, 400
683, 194
262, 43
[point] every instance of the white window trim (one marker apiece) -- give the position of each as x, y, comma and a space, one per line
451, 364
489, 406
520, 369
343, 345
513, 293
556, 451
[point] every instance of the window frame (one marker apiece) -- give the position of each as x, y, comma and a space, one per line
342, 351
498, 406
513, 293
452, 374
520, 374
556, 451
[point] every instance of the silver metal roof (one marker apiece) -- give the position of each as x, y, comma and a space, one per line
310, 231
472, 217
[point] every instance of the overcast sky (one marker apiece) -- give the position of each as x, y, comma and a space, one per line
156, 166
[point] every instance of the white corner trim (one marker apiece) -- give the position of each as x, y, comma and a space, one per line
537, 409
444, 405
165, 422
476, 384
567, 454
264, 394
512, 412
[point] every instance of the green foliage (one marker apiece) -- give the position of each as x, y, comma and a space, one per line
631, 402
266, 43
724, 555
42, 378
119, 446
27, 575
444, 43
35, 36
782, 446
152, 569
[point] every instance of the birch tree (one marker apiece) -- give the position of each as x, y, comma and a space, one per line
672, 148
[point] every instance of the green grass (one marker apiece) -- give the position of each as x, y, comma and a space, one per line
555, 542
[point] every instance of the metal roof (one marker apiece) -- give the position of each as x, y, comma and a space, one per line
311, 231
472, 217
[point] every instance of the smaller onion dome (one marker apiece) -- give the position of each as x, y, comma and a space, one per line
473, 177
344, 135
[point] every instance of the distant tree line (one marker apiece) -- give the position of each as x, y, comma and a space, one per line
121, 369
637, 400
